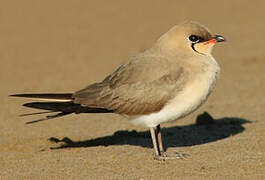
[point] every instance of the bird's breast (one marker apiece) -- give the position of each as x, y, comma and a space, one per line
192, 96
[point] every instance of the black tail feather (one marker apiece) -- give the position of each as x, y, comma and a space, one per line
62, 108
65, 107
59, 96
54, 106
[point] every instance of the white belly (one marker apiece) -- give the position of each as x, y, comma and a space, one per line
186, 101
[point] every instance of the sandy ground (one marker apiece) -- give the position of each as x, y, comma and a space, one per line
62, 46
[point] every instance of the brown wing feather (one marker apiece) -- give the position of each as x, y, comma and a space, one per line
133, 89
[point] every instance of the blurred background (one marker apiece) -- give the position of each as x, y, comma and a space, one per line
62, 46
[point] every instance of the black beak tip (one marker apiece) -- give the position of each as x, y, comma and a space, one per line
219, 38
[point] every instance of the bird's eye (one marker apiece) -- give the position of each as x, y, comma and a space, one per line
194, 38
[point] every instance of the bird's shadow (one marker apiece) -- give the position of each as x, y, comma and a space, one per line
205, 130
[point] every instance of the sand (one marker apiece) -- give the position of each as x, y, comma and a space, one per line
62, 46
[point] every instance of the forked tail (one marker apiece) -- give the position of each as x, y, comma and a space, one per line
63, 104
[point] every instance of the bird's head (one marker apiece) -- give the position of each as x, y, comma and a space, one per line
190, 37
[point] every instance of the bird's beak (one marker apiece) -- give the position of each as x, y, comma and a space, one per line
215, 39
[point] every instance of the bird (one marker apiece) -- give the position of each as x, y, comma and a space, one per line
164, 83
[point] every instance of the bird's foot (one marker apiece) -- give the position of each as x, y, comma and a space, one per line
173, 155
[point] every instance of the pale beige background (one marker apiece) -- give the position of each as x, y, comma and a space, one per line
61, 46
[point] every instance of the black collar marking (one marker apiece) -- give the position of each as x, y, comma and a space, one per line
192, 46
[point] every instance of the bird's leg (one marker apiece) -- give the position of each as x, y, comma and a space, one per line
155, 147
159, 139
162, 154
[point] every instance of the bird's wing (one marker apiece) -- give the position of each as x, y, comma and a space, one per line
138, 87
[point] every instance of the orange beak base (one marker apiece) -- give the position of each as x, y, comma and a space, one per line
211, 41
215, 39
